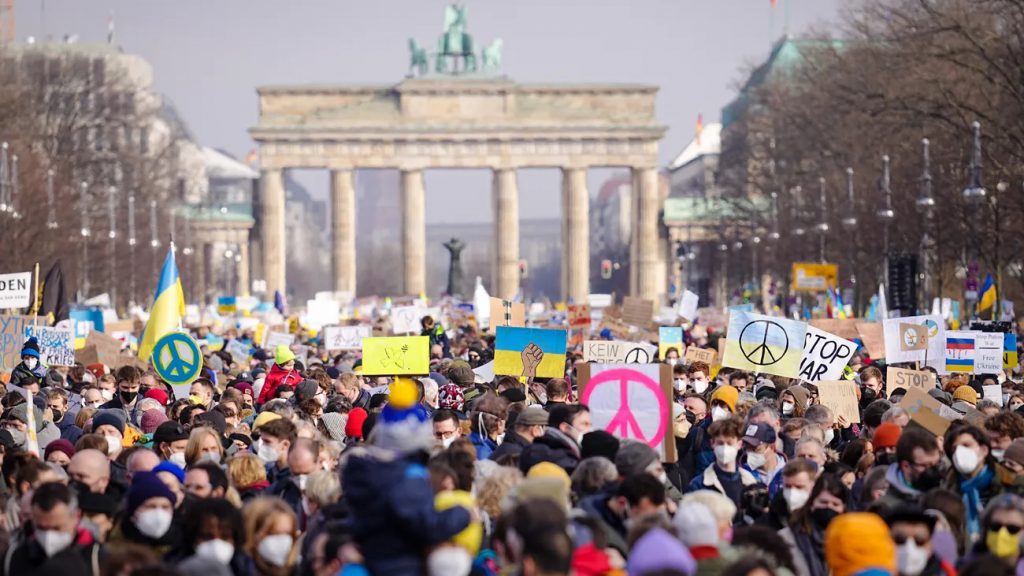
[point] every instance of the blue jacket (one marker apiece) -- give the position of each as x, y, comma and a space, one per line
393, 515
484, 445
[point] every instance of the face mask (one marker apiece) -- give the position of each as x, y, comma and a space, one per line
674, 361
107, 395
965, 459
275, 549
177, 458
1002, 543
755, 460
930, 478
447, 442
699, 386
679, 384
53, 541
823, 516
998, 455
210, 457
322, 399
911, 559
154, 522
795, 498
129, 396
57, 415
885, 458
542, 398
113, 445
93, 404
719, 413
267, 453
1006, 399
18, 436
787, 408
217, 550
830, 435
300, 480
453, 560
725, 454
500, 438
31, 363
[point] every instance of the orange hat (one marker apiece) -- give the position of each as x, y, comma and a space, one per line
886, 435
967, 394
727, 394
857, 541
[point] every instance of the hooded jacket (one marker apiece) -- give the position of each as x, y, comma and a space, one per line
275, 378
26, 556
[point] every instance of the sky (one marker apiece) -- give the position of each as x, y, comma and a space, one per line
208, 57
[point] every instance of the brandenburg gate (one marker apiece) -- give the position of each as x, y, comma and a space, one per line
473, 118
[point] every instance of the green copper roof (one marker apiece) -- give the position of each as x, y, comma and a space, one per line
226, 212
710, 211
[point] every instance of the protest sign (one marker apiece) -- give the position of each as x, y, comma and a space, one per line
227, 305
711, 318
631, 402
872, 337
322, 312
108, 349
615, 327
993, 392
506, 313
814, 277
405, 320
275, 339
618, 352
842, 327
637, 311
485, 372
15, 290
697, 354
924, 411
670, 338
764, 344
599, 300
56, 345
177, 358
825, 355
396, 355
907, 379
530, 352
1010, 350
345, 337
579, 315
239, 352
687, 306
989, 353
840, 396
915, 339
960, 352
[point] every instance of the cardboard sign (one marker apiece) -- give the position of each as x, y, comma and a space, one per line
530, 352
825, 356
614, 326
618, 352
842, 327
345, 337
396, 355
765, 344
841, 398
56, 345
670, 338
108, 349
239, 352
711, 318
814, 277
904, 343
579, 315
924, 411
12, 338
15, 290
961, 351
637, 311
631, 402
506, 313
902, 378
697, 354
872, 337
687, 306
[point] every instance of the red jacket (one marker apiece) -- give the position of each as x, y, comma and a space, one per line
275, 378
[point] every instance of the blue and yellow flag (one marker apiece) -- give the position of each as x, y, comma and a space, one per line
168, 307
543, 352
765, 344
988, 294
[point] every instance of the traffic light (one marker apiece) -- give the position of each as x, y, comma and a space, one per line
606, 269
524, 269
903, 282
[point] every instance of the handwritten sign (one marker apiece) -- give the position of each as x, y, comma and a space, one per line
825, 355
907, 379
631, 402
239, 352
618, 352
873, 338
697, 354
56, 345
842, 327
396, 355
345, 337
579, 315
106, 350
670, 338
840, 396
275, 339
12, 338
993, 392
989, 356
506, 313
637, 311
405, 320
530, 352
903, 340
15, 290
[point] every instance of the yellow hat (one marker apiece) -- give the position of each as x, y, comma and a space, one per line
857, 541
967, 394
472, 537
550, 470
263, 418
728, 395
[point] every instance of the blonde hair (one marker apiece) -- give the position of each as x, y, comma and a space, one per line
192, 449
494, 489
323, 488
245, 470
349, 381
720, 505
83, 416
258, 515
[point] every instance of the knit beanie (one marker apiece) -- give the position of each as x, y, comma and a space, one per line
283, 354
633, 458
244, 388
335, 424
65, 446
158, 395
263, 418
1015, 452
20, 413
886, 435
858, 541
550, 470
450, 397
799, 394
403, 426
967, 394
108, 417
696, 525
31, 348
146, 485
658, 551
599, 443
171, 468
727, 394
151, 420
354, 425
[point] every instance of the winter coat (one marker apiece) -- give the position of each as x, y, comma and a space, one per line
21, 373
393, 516
275, 378
512, 445
614, 529
484, 445
554, 446
26, 556
291, 494
898, 494
68, 430
132, 413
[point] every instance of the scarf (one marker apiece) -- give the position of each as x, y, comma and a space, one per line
971, 488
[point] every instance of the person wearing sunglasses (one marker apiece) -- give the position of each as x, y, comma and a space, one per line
1001, 530
912, 531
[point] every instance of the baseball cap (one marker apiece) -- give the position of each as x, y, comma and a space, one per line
759, 433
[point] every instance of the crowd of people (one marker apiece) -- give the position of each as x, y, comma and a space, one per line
279, 466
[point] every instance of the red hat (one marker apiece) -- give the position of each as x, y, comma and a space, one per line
98, 370
354, 425
59, 445
886, 435
158, 395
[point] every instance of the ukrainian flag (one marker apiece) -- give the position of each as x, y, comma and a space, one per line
511, 342
988, 294
168, 307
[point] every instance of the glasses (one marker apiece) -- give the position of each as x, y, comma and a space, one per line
1011, 528
901, 539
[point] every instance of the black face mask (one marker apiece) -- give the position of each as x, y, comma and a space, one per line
822, 517
930, 478
57, 414
885, 459
129, 397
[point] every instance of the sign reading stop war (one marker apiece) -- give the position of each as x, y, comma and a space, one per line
907, 379
618, 352
825, 355
631, 402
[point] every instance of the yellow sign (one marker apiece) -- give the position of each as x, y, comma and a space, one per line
396, 355
812, 277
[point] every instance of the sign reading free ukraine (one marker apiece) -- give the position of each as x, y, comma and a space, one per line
530, 352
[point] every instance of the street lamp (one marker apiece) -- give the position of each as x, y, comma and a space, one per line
13, 187
822, 226
51, 211
132, 241
850, 221
974, 194
112, 234
798, 230
82, 203
925, 205
774, 234
885, 213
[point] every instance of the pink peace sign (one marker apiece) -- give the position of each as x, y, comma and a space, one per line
624, 424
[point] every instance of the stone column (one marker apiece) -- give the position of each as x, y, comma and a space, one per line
506, 233
209, 272
272, 226
343, 244
646, 257
576, 234
414, 233
244, 282
199, 267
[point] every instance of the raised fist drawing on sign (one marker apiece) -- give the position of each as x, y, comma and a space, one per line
532, 355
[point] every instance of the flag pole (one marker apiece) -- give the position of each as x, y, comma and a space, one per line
35, 296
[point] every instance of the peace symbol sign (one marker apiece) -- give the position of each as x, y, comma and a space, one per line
177, 359
637, 356
611, 388
910, 338
754, 342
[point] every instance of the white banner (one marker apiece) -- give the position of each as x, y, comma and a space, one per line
15, 290
618, 352
345, 337
56, 345
825, 355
